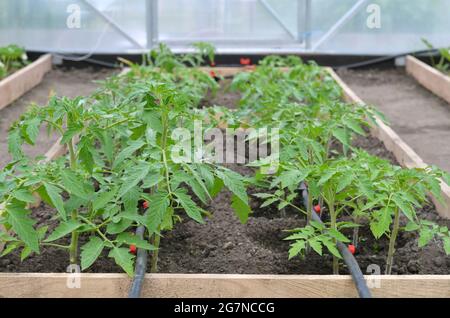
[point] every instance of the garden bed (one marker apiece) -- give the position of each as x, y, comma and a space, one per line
431, 78
224, 245
21, 81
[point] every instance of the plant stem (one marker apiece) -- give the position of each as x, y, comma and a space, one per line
392, 239
333, 226
309, 209
156, 241
355, 238
73, 248
73, 159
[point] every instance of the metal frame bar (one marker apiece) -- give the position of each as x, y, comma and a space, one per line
113, 24
277, 18
304, 22
344, 19
151, 11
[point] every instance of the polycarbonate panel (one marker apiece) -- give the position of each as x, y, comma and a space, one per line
234, 26
222, 21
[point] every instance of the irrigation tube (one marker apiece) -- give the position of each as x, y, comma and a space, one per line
140, 268
349, 259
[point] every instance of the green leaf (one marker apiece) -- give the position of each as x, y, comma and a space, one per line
123, 258
122, 225
296, 248
446, 241
22, 225
70, 133
217, 187
11, 247
158, 205
425, 236
53, 193
327, 175
353, 125
192, 210
405, 207
134, 176
14, 144
344, 181
63, 229
381, 224
24, 195
73, 184
32, 130
342, 135
127, 152
316, 246
103, 198
331, 248
130, 238
241, 208
338, 235
26, 251
233, 181
91, 251
292, 177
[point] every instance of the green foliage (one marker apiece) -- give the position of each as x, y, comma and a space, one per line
12, 58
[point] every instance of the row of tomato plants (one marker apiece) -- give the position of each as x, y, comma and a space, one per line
119, 145
119, 142
350, 187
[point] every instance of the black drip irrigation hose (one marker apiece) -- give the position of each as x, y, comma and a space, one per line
382, 59
140, 268
349, 259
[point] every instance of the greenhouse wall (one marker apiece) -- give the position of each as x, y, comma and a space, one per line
368, 27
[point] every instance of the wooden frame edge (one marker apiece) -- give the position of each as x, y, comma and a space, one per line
220, 285
429, 77
404, 154
20, 82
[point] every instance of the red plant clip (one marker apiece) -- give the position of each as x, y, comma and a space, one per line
133, 249
145, 205
317, 208
352, 249
213, 64
245, 61
213, 74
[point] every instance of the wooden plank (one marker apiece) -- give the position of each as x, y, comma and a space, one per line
18, 83
431, 78
404, 154
220, 285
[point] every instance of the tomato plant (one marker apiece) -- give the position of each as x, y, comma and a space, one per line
12, 58
120, 144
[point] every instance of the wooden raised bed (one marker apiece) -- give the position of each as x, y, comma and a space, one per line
235, 285
404, 154
18, 83
221, 286
431, 78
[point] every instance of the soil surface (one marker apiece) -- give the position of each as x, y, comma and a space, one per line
224, 245
59, 81
420, 118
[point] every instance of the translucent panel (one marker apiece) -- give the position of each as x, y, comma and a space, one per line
220, 21
402, 26
234, 26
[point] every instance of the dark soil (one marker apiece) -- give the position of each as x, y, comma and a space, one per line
224, 245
